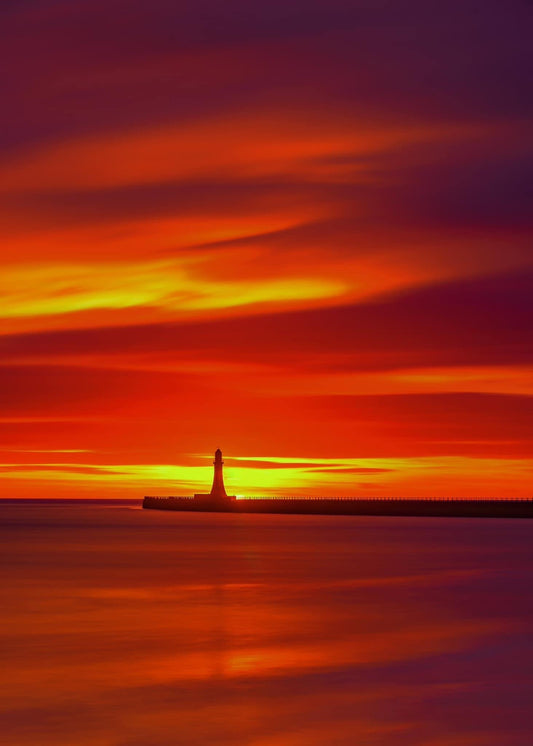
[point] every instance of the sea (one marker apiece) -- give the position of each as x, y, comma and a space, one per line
124, 627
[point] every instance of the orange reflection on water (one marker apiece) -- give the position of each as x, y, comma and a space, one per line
254, 628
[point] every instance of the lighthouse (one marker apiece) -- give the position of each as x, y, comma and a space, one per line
218, 491
217, 499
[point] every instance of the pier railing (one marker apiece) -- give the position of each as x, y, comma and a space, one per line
357, 499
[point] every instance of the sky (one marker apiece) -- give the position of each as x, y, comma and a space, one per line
297, 231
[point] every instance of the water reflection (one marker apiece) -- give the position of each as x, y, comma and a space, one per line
127, 628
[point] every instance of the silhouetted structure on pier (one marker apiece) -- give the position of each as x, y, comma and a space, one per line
217, 498
218, 501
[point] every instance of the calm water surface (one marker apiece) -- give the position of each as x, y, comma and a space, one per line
123, 627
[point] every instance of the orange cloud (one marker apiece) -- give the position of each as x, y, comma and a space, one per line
262, 144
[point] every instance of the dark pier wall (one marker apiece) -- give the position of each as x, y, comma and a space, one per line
482, 508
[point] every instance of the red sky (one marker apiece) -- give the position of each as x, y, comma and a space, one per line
297, 231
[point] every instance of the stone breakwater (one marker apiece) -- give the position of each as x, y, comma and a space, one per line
438, 507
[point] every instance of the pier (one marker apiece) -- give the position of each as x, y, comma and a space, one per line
393, 506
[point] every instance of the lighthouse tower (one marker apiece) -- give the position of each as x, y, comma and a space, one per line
217, 499
218, 491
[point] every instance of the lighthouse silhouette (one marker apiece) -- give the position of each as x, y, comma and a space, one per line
218, 493
218, 490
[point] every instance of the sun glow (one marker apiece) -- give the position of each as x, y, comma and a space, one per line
279, 476
169, 285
